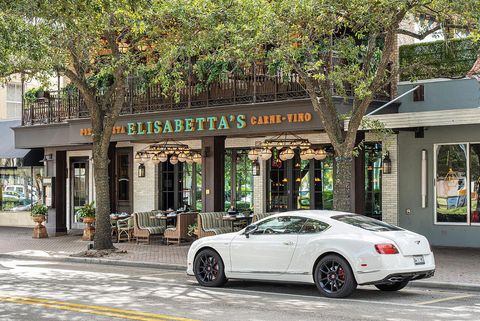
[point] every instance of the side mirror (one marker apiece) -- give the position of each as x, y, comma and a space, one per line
250, 229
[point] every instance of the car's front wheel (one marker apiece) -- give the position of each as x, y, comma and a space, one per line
209, 268
392, 286
334, 277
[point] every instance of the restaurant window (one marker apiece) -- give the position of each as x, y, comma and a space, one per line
238, 180
300, 184
20, 186
180, 185
451, 182
373, 180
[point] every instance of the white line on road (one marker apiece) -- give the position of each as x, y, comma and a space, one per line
446, 299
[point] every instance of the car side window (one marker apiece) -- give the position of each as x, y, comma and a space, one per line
313, 226
281, 225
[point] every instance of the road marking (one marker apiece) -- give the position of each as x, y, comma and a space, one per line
446, 299
92, 309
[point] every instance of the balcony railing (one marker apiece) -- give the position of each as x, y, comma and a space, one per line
255, 87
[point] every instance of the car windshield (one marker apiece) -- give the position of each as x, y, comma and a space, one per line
366, 223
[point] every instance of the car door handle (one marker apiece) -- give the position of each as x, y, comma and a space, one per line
288, 243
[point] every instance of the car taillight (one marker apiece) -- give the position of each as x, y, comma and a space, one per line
386, 249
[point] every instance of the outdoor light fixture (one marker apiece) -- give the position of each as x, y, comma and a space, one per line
141, 170
159, 153
320, 154
256, 168
285, 144
387, 164
253, 155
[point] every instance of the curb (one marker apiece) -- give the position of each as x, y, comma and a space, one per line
445, 285
89, 260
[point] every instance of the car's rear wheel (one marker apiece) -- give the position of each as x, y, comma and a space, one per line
334, 277
392, 286
209, 269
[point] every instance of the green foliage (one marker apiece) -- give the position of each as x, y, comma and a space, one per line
438, 59
33, 94
88, 210
191, 229
38, 210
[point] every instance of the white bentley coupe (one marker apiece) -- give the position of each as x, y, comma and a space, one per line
337, 251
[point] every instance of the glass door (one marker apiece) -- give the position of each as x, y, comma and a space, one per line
79, 189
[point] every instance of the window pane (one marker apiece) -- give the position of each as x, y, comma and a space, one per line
373, 180
228, 179
281, 225
314, 226
302, 183
450, 183
198, 189
244, 181
474, 183
367, 223
278, 184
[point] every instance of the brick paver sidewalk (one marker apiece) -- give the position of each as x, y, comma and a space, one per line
19, 241
454, 265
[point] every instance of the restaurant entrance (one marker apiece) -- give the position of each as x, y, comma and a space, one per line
79, 194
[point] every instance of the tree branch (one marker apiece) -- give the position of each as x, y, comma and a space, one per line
419, 36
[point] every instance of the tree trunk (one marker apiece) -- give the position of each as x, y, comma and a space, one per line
342, 184
103, 236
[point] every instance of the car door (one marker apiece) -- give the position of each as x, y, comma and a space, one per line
310, 243
269, 249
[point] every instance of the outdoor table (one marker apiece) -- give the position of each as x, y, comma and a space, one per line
232, 219
167, 217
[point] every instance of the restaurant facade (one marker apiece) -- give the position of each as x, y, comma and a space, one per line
218, 172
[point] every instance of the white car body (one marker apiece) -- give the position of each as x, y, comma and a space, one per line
292, 257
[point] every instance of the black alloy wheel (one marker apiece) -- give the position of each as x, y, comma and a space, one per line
395, 286
209, 269
334, 277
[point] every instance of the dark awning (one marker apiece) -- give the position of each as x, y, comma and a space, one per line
30, 157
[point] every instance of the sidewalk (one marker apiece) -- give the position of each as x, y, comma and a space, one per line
456, 267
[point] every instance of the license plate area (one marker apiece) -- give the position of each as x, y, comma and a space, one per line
418, 259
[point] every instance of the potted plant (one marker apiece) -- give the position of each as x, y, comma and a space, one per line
86, 214
39, 213
32, 95
192, 230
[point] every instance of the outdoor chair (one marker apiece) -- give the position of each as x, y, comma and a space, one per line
179, 232
258, 217
125, 229
145, 228
212, 223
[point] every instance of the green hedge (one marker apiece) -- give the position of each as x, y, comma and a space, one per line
438, 59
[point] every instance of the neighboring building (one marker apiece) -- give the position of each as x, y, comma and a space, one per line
438, 122
222, 125
20, 169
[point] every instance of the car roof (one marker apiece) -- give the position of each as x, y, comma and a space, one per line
313, 214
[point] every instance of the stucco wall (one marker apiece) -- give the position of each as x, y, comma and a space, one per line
421, 220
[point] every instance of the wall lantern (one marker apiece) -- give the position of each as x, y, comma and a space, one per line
387, 164
141, 170
256, 168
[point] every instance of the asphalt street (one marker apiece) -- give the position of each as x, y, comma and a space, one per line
37, 291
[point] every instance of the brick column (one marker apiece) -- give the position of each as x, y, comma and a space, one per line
145, 189
390, 184
260, 190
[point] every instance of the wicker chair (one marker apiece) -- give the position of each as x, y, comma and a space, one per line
211, 223
145, 228
258, 217
179, 232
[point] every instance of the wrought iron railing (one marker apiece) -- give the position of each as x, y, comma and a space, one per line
254, 87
